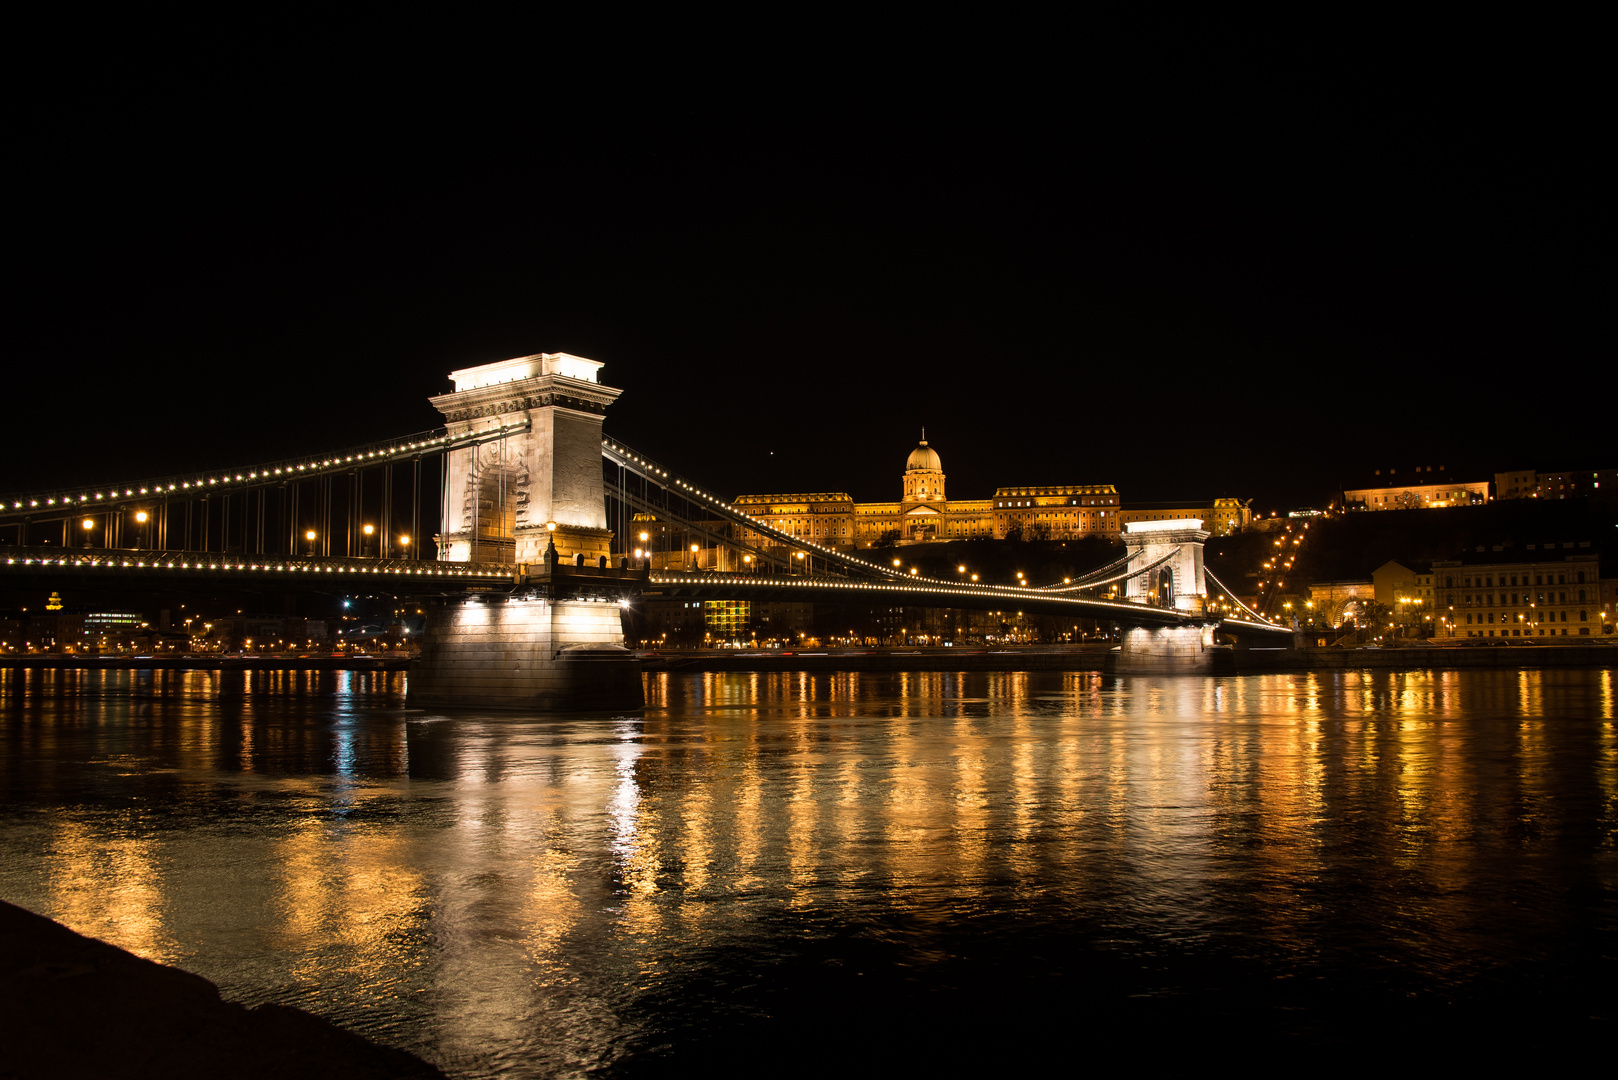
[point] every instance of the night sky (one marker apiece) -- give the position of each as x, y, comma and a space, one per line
1221, 281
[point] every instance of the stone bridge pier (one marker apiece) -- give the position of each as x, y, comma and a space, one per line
530, 496
1165, 559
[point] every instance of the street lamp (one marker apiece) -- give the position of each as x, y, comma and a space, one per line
141, 518
310, 537
369, 531
404, 542
89, 523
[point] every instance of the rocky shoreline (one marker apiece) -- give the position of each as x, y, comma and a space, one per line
78, 1007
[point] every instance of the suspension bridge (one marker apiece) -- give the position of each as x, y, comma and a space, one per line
538, 515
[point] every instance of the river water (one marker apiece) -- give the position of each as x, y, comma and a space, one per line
851, 873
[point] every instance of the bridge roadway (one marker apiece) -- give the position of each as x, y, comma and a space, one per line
183, 569
925, 593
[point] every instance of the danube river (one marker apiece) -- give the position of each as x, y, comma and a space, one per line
796, 873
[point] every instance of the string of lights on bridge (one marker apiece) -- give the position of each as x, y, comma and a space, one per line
911, 585
442, 570
294, 468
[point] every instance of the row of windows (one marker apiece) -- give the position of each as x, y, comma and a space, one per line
1003, 504
1487, 599
1548, 616
1487, 581
1530, 632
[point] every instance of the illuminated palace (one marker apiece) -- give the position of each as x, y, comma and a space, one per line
925, 515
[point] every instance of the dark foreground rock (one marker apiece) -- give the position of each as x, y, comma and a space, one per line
72, 1006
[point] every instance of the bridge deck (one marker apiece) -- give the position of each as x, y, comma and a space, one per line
180, 566
716, 586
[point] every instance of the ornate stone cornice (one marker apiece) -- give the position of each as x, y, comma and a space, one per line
540, 392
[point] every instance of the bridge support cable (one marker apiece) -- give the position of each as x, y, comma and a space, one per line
1208, 574
629, 500
1093, 578
180, 508
1096, 583
713, 507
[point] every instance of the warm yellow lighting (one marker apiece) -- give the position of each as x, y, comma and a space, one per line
141, 516
310, 535
550, 526
89, 523
370, 529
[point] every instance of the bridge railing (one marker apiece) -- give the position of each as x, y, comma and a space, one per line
34, 559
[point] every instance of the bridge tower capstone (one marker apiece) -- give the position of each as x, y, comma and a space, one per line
507, 499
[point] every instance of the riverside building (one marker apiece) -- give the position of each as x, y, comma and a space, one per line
1548, 593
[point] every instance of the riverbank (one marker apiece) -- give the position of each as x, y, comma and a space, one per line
1099, 657
78, 1007
1429, 657
206, 662
1023, 658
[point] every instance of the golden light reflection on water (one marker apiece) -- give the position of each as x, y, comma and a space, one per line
462, 883
106, 884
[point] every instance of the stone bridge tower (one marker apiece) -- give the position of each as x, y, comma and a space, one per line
554, 640
502, 496
1173, 550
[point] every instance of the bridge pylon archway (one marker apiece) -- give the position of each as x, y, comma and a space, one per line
1165, 564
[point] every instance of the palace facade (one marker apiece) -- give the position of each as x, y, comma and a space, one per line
923, 514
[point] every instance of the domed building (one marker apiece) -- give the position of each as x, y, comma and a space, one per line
924, 474
923, 514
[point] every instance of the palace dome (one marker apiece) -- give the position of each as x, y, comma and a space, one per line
924, 458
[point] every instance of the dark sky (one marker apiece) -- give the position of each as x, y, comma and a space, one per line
1185, 282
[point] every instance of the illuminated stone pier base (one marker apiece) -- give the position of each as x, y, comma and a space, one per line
530, 653
1163, 650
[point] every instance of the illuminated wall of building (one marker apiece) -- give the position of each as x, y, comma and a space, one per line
924, 514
